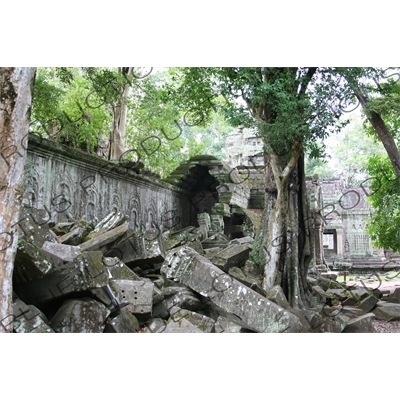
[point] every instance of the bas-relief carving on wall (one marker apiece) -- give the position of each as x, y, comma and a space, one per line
71, 187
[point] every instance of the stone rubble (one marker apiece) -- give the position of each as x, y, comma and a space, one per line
74, 277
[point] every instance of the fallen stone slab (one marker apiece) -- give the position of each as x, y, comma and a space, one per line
190, 268
30, 263
109, 222
232, 256
74, 237
352, 312
196, 246
225, 325
368, 303
394, 297
125, 322
181, 326
137, 248
29, 319
360, 293
217, 240
60, 254
102, 239
156, 325
139, 295
33, 224
362, 324
86, 271
177, 238
119, 270
248, 280
80, 316
178, 296
387, 311
202, 322
277, 295
340, 294
63, 227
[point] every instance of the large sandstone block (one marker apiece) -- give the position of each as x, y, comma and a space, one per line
86, 271
80, 316
232, 256
139, 295
259, 313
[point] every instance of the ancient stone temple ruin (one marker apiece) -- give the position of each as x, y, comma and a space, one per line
342, 214
107, 247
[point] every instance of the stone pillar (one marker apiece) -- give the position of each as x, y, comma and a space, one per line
319, 252
204, 222
339, 242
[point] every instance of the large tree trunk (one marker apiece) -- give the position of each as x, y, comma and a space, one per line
118, 128
15, 107
381, 130
283, 243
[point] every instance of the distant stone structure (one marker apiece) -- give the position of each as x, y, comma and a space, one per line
339, 212
244, 151
345, 213
244, 148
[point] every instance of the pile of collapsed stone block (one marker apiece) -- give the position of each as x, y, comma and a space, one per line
353, 307
70, 276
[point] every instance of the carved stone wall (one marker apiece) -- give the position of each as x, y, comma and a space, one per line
70, 183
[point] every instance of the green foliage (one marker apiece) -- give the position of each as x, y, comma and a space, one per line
348, 152
61, 112
384, 226
74, 106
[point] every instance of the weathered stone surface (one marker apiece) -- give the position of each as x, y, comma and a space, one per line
179, 296
85, 272
394, 297
125, 322
224, 325
195, 271
119, 270
202, 322
175, 239
60, 254
139, 295
362, 324
221, 209
368, 303
181, 326
109, 222
360, 293
102, 239
387, 311
74, 237
63, 227
350, 301
136, 248
248, 280
196, 246
352, 312
340, 294
156, 325
243, 240
232, 256
216, 240
29, 319
276, 295
80, 316
30, 262
33, 224
318, 289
